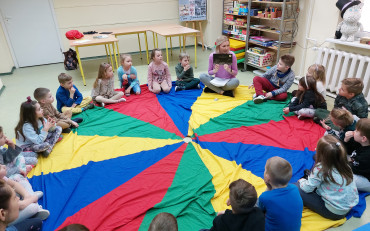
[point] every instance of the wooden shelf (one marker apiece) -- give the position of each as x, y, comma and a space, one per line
258, 67
235, 14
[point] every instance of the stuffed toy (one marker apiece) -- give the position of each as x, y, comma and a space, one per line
351, 14
70, 60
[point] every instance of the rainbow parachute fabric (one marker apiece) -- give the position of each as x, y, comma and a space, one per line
128, 162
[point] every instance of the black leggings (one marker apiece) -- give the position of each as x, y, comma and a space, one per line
31, 224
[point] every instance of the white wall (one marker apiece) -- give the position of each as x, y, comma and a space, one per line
6, 61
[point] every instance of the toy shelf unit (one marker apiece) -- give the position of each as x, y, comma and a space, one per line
267, 28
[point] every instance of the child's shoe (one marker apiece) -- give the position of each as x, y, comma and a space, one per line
229, 93
179, 88
198, 86
44, 153
259, 99
208, 90
78, 120
89, 106
60, 138
66, 130
121, 100
43, 214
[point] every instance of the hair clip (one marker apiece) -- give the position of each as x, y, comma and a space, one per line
305, 80
338, 144
29, 100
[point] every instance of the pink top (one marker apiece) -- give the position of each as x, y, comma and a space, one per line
158, 73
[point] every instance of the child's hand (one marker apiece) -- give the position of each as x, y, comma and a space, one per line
124, 77
220, 213
215, 69
348, 136
133, 76
72, 90
286, 110
74, 124
9, 143
48, 124
326, 127
227, 68
128, 90
268, 95
187, 67
251, 86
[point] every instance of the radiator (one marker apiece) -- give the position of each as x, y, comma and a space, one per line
340, 65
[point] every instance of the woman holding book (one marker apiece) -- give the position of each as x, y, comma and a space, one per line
223, 65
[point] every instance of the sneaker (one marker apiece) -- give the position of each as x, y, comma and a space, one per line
44, 153
316, 120
39, 194
254, 96
229, 93
179, 88
42, 214
209, 90
259, 99
78, 120
306, 172
300, 117
198, 86
90, 106
66, 130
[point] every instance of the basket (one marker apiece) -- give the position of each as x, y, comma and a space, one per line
260, 60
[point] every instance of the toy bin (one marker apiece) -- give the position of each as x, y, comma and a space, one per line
260, 60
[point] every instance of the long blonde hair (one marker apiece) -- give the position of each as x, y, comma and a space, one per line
219, 41
318, 71
101, 74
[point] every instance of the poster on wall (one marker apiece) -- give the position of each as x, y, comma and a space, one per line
193, 10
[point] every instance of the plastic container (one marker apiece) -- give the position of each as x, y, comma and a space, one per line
260, 60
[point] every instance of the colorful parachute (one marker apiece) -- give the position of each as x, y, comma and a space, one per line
129, 161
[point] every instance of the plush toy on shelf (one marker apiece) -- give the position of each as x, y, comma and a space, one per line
351, 14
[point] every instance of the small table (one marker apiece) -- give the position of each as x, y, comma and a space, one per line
89, 40
131, 30
171, 30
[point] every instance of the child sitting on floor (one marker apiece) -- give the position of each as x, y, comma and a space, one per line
243, 214
306, 100
343, 120
281, 201
358, 147
275, 82
163, 222
103, 91
317, 71
185, 75
16, 161
329, 189
127, 76
159, 76
33, 131
69, 98
28, 206
45, 99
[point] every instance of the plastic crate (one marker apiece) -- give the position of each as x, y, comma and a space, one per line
260, 60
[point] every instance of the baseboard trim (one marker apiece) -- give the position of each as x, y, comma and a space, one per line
8, 73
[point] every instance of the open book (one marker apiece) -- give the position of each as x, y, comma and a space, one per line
219, 82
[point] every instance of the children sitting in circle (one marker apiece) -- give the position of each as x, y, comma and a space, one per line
45, 99
159, 76
330, 190
275, 82
103, 91
225, 72
307, 99
35, 133
185, 74
127, 76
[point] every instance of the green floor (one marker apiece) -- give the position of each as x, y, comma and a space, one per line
24, 81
